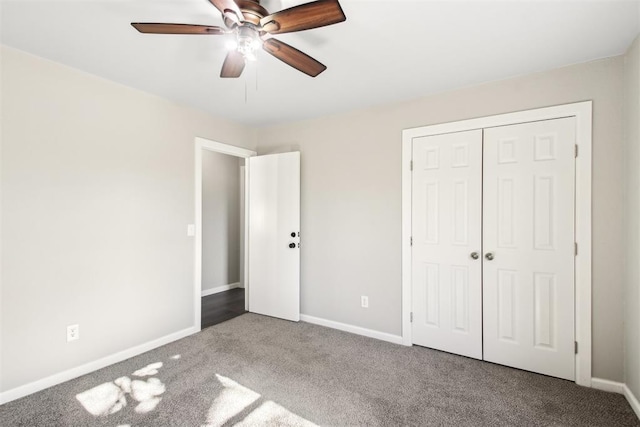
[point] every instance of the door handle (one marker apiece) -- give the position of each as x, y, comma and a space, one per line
475, 255
489, 256
292, 245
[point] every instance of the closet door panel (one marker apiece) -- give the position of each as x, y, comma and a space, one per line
528, 243
446, 223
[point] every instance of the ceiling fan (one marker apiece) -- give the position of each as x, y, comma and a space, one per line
253, 27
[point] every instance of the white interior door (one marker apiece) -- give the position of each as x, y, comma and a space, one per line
446, 253
528, 237
273, 235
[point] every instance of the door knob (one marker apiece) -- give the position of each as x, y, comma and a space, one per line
489, 256
292, 245
475, 255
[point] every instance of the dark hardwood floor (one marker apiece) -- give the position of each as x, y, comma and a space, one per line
223, 306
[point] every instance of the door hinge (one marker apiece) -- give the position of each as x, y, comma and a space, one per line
576, 346
575, 248
411, 317
411, 240
576, 150
411, 165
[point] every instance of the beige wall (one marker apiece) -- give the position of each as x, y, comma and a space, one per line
97, 191
632, 218
351, 196
220, 219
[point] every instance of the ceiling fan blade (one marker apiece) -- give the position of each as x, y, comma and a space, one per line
226, 6
157, 28
304, 17
292, 56
233, 65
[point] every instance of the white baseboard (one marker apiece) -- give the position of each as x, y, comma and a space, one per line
607, 385
396, 339
33, 387
617, 387
219, 289
633, 400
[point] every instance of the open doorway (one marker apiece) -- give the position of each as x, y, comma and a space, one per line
223, 295
221, 291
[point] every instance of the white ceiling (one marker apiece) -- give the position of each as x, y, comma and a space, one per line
385, 51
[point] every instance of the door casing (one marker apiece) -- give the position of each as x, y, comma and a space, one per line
582, 111
202, 144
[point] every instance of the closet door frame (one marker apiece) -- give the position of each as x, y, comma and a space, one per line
582, 111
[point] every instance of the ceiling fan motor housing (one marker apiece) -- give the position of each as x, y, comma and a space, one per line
251, 11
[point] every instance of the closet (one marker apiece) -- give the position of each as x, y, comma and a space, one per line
493, 244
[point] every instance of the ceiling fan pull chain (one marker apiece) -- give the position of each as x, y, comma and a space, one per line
257, 66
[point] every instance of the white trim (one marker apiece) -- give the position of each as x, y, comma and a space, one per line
583, 115
87, 368
245, 237
200, 145
633, 400
407, 143
222, 148
218, 289
582, 111
620, 388
383, 336
607, 385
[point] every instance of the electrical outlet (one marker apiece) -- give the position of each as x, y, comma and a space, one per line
364, 301
73, 332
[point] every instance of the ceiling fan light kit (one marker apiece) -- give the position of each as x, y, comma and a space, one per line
254, 27
248, 42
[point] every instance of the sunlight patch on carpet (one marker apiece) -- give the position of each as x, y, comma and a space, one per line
110, 397
230, 402
147, 394
148, 370
235, 404
235, 399
103, 400
270, 413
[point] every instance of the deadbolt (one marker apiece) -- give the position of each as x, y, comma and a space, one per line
293, 234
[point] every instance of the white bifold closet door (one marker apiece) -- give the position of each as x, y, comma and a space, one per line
446, 255
528, 231
493, 245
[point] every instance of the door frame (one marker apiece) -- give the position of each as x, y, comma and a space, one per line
582, 111
202, 144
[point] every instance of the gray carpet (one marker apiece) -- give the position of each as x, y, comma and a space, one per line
256, 370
